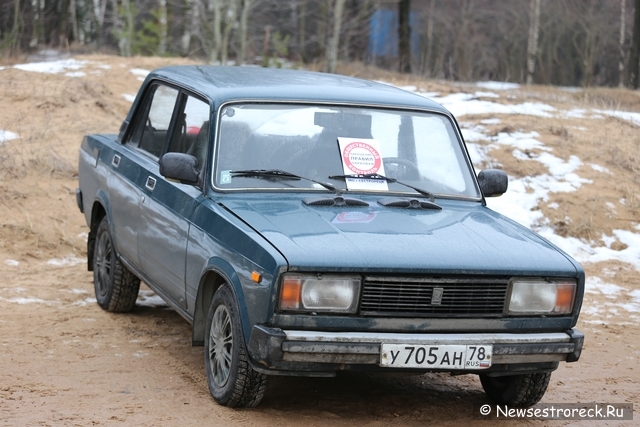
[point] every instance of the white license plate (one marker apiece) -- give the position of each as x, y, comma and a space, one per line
436, 356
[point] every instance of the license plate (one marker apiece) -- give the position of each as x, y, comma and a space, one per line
436, 356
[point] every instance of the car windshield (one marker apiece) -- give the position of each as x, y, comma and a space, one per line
348, 147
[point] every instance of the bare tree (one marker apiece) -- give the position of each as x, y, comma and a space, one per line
532, 45
216, 23
429, 38
623, 7
634, 53
162, 19
124, 25
247, 5
230, 14
404, 36
332, 49
192, 25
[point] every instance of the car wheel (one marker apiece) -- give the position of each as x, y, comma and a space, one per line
232, 381
518, 391
116, 287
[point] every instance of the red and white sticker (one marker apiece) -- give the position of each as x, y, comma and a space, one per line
354, 217
362, 157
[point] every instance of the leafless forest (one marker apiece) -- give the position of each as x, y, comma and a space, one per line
560, 42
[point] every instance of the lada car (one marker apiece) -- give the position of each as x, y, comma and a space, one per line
308, 223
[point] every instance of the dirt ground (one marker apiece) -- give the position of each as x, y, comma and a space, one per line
66, 362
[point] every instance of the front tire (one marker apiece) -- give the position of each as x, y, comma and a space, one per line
517, 391
232, 381
116, 287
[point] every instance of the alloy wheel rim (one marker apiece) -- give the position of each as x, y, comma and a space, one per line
103, 263
220, 345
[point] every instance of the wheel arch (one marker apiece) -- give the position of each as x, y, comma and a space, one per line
217, 273
98, 212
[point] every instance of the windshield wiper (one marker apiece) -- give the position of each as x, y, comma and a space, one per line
378, 176
280, 174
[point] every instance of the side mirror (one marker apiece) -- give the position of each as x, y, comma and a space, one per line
179, 167
493, 182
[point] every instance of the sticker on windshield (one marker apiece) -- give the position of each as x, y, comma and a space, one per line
225, 177
362, 157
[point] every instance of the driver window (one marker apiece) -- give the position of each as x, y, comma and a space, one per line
151, 133
191, 134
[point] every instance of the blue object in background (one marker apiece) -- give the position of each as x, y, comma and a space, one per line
383, 34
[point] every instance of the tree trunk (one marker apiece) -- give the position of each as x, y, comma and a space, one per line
74, 20
623, 12
217, 32
332, 51
229, 21
634, 54
16, 29
192, 18
244, 20
404, 37
429, 39
302, 24
532, 45
162, 18
100, 11
125, 36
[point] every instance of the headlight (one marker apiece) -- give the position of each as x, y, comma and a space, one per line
532, 296
327, 293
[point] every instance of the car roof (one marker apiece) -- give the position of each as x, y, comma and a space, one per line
226, 83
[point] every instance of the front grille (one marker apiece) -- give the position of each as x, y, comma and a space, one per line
413, 296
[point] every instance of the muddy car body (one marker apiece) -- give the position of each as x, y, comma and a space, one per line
307, 223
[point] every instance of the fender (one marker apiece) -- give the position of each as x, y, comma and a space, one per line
101, 199
222, 269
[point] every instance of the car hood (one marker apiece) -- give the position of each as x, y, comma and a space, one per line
462, 238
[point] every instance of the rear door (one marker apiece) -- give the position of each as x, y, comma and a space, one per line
131, 162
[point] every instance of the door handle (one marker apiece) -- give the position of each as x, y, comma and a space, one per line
151, 183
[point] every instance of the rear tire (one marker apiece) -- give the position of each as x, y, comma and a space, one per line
517, 391
116, 287
232, 381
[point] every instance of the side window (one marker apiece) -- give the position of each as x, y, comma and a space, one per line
191, 134
150, 133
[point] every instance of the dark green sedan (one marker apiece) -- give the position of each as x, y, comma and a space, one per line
306, 223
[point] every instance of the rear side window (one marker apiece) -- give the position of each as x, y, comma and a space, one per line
150, 134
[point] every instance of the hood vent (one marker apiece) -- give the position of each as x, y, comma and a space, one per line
337, 201
393, 202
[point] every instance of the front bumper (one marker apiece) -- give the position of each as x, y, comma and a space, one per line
292, 352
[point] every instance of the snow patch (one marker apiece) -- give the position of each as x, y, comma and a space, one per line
150, 299
493, 85
67, 261
599, 168
140, 73
129, 97
487, 95
53, 67
85, 302
12, 262
5, 135
595, 285
27, 300
624, 115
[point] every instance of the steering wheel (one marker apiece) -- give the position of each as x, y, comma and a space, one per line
398, 168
